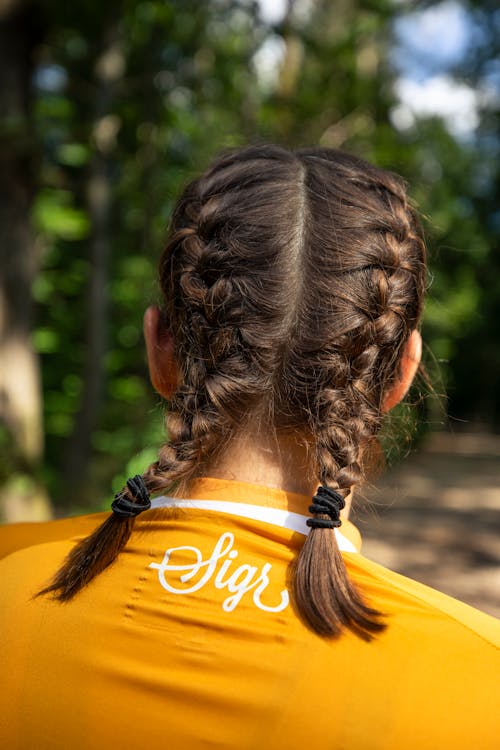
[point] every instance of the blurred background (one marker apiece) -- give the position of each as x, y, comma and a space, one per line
108, 108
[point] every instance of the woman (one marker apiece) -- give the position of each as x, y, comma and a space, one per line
221, 614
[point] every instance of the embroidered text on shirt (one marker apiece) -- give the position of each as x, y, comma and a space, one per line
243, 579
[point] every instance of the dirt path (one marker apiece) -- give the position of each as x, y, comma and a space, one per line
436, 518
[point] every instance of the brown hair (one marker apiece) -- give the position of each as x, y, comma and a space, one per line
291, 283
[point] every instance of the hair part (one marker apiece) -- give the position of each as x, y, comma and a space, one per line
291, 284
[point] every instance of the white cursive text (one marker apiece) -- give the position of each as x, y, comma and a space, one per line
239, 581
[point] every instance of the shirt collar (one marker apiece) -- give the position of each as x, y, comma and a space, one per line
234, 492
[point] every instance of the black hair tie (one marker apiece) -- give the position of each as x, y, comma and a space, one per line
329, 503
123, 507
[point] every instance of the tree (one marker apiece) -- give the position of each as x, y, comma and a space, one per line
20, 397
129, 100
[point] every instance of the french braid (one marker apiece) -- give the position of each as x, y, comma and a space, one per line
291, 284
379, 291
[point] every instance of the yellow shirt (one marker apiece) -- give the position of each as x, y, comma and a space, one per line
190, 640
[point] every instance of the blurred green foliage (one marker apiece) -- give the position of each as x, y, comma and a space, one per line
140, 95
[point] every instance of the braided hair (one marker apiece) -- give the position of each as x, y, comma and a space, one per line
291, 283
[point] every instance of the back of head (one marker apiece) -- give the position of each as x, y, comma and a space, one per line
291, 284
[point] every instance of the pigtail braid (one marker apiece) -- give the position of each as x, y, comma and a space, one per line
378, 292
207, 318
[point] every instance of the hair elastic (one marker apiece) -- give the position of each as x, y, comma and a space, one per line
327, 502
123, 507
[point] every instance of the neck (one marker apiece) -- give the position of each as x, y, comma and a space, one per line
281, 461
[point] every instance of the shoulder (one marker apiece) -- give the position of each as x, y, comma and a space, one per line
18, 536
430, 612
437, 660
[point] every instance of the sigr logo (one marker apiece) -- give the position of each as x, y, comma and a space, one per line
219, 567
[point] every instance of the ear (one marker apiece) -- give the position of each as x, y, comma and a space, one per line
409, 365
160, 353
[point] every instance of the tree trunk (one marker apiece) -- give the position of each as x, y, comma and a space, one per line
109, 70
20, 395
